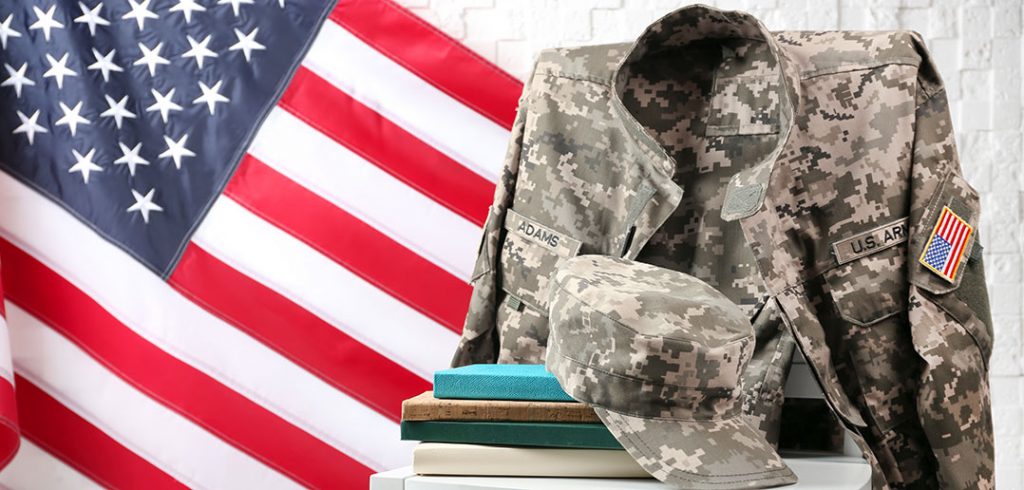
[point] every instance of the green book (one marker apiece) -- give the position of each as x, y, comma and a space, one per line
542, 434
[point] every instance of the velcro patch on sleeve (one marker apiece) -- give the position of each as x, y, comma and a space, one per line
871, 241
947, 244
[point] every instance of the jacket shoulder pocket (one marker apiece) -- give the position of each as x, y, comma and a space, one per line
951, 214
965, 297
529, 254
485, 249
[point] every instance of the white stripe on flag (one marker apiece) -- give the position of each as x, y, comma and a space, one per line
944, 226
951, 238
6, 368
34, 468
407, 100
254, 247
148, 428
957, 245
161, 315
330, 170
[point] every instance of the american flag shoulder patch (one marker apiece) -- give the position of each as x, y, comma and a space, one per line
946, 245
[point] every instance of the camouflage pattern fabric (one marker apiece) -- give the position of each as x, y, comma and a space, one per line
659, 353
798, 173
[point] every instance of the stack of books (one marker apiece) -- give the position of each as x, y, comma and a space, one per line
509, 420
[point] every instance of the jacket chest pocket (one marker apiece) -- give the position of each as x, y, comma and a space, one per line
870, 289
529, 255
872, 332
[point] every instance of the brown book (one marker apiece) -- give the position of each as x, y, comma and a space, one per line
426, 407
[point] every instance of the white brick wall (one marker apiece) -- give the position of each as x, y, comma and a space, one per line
977, 46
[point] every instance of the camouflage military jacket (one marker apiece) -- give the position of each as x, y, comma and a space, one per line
800, 173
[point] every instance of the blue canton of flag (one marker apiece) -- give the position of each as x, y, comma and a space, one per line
938, 253
133, 114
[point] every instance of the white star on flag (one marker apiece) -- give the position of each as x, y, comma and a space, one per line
236, 5
45, 21
6, 32
59, 69
199, 51
84, 164
72, 117
144, 204
29, 126
118, 110
176, 150
105, 63
247, 43
186, 7
140, 12
91, 17
130, 157
151, 57
17, 78
164, 103
211, 96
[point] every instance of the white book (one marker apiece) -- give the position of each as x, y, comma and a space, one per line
435, 458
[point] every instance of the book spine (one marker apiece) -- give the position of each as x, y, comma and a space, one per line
497, 410
483, 387
591, 436
477, 460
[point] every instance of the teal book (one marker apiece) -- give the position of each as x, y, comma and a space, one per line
540, 434
499, 382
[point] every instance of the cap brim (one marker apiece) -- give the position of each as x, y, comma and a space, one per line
709, 454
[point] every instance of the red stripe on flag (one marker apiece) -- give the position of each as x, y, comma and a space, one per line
432, 55
956, 264
388, 146
296, 333
350, 242
965, 232
947, 224
952, 234
79, 444
943, 220
169, 380
948, 229
9, 434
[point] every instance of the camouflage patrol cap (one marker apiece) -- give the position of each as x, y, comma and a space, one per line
659, 353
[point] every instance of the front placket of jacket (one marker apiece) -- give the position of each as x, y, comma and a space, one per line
748, 200
762, 230
656, 195
654, 204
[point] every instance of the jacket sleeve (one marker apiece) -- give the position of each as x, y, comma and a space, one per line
480, 342
950, 320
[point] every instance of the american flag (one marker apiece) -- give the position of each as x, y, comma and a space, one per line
946, 247
234, 235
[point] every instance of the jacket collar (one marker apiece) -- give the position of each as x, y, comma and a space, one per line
696, 22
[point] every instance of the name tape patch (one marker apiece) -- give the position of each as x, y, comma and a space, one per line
559, 243
946, 245
871, 241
